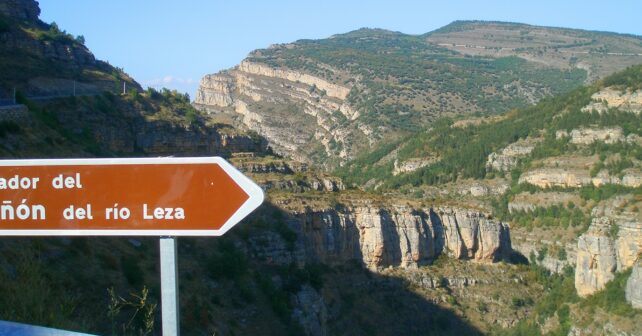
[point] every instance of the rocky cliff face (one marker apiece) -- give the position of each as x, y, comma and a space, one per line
575, 172
508, 158
59, 49
272, 173
559, 177
613, 98
20, 9
400, 236
58, 63
596, 258
612, 244
587, 136
634, 286
164, 139
302, 115
411, 165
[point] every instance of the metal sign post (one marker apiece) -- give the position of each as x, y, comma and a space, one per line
169, 287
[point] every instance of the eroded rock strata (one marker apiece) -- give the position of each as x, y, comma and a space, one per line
400, 236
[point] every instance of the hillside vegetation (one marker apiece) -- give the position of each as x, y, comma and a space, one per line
463, 152
402, 81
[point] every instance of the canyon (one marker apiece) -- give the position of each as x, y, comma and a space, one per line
461, 204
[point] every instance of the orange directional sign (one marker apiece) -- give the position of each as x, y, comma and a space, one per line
113, 197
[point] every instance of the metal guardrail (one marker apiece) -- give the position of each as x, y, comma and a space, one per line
19, 329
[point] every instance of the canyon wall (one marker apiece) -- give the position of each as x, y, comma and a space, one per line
380, 237
303, 116
613, 243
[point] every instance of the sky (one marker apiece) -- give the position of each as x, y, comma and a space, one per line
172, 44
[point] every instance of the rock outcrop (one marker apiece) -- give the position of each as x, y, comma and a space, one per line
401, 236
633, 291
508, 158
286, 175
59, 64
556, 177
216, 90
20, 9
560, 177
587, 136
310, 311
536, 245
609, 97
596, 258
163, 139
330, 89
426, 281
528, 202
475, 188
411, 165
59, 49
302, 115
612, 244
575, 172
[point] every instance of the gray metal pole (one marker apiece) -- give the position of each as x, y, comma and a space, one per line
169, 287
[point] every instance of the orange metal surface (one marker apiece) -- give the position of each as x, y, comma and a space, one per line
205, 192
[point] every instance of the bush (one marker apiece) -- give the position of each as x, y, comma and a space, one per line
191, 116
131, 270
517, 302
278, 299
561, 254
4, 25
281, 227
227, 262
55, 34
612, 298
606, 191
8, 127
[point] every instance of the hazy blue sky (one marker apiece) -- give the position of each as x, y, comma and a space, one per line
174, 43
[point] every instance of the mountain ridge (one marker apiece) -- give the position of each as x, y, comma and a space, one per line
398, 82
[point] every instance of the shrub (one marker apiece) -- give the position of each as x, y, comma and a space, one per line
4, 25
227, 262
611, 298
561, 254
8, 127
191, 116
131, 270
278, 299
